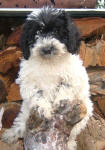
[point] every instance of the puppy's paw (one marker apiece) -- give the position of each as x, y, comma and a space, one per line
72, 111
10, 136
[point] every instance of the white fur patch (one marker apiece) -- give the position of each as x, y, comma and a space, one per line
1, 115
46, 42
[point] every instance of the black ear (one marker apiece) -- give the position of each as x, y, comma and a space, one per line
27, 37
73, 35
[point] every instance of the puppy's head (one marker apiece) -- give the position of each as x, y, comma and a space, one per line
49, 33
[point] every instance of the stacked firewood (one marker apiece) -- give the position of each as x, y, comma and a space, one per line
92, 52
9, 64
56, 3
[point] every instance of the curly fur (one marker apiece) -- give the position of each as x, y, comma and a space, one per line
49, 42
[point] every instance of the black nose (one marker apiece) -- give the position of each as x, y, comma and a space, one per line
47, 50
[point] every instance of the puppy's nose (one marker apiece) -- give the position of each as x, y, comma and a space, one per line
47, 50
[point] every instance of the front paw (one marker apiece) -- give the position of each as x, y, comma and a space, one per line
10, 136
72, 112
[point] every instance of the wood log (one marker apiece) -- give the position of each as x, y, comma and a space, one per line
8, 78
3, 92
2, 41
14, 37
9, 62
97, 89
9, 58
6, 81
99, 102
11, 110
97, 81
53, 134
93, 137
14, 93
91, 26
93, 54
97, 109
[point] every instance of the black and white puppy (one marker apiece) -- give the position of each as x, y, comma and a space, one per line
50, 70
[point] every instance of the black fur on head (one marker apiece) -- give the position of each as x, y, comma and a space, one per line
50, 22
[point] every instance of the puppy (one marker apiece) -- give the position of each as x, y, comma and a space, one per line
50, 70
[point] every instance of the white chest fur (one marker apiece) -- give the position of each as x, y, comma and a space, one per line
47, 77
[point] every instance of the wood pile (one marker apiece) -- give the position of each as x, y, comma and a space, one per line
40, 3
92, 52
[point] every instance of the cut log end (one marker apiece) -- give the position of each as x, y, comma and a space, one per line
11, 110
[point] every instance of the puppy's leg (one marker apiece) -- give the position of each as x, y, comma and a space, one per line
80, 126
30, 95
65, 94
34, 99
19, 125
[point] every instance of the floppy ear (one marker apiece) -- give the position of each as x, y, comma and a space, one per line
73, 36
28, 37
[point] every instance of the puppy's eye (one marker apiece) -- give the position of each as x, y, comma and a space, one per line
38, 32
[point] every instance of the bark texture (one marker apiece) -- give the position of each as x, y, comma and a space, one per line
93, 137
